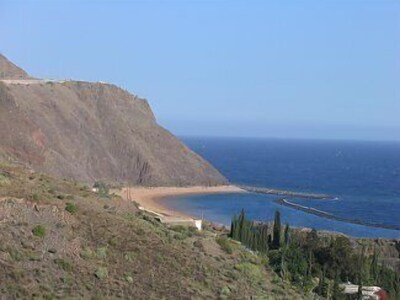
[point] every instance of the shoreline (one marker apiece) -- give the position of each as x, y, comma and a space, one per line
150, 198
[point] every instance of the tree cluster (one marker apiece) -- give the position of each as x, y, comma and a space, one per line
312, 262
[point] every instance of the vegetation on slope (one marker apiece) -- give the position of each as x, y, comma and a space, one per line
60, 240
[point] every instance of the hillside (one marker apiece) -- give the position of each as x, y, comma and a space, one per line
60, 240
10, 71
91, 131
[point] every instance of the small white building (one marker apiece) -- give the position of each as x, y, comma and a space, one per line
368, 292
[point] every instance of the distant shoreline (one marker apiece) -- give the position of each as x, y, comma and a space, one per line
326, 215
268, 191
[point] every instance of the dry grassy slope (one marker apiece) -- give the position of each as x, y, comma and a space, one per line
10, 71
91, 131
108, 250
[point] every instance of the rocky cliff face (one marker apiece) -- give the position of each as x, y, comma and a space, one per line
92, 131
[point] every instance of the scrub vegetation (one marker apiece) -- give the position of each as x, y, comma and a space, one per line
76, 247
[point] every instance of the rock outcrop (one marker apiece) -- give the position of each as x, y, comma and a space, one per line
91, 131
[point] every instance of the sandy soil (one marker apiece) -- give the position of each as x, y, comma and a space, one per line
152, 198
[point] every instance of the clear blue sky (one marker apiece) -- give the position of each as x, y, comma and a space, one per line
304, 69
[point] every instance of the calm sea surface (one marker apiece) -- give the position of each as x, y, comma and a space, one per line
365, 176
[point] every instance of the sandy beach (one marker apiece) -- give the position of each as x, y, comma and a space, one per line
151, 198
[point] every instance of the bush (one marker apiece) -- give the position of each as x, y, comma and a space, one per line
35, 197
129, 278
87, 253
64, 264
39, 231
183, 231
225, 293
16, 255
4, 180
225, 244
102, 188
101, 252
101, 273
251, 272
130, 256
71, 208
198, 244
84, 188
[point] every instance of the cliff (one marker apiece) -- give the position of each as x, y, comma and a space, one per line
91, 131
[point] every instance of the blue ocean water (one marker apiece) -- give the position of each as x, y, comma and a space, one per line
364, 176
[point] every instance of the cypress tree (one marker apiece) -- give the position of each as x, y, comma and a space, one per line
233, 230
286, 235
245, 231
242, 226
255, 242
310, 263
336, 292
320, 283
374, 266
276, 239
360, 274
264, 238
397, 285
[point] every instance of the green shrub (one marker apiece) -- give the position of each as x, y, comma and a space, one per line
179, 228
251, 272
35, 197
64, 264
198, 244
113, 241
39, 231
129, 278
130, 256
87, 253
16, 255
34, 255
84, 188
183, 231
4, 180
17, 274
101, 252
101, 273
102, 188
71, 208
225, 293
225, 244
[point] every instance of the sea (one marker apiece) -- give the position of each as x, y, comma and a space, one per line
363, 177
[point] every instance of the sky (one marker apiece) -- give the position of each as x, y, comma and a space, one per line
285, 69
